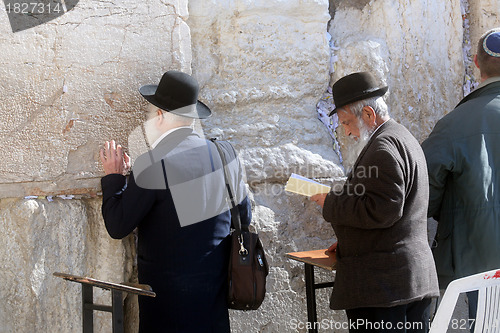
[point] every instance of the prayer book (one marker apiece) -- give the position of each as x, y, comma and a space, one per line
305, 186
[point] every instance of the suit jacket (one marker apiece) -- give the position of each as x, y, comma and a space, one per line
380, 221
463, 158
185, 263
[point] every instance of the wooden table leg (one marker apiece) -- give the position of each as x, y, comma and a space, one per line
311, 298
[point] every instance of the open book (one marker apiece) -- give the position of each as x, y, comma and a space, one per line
305, 186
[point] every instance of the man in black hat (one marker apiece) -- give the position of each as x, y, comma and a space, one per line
176, 198
385, 271
463, 158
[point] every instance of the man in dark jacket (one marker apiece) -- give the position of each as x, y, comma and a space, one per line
176, 198
463, 159
385, 271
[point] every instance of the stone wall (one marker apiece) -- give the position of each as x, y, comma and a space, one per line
418, 55
40, 238
70, 84
67, 86
262, 66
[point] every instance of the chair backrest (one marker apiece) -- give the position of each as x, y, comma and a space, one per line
488, 309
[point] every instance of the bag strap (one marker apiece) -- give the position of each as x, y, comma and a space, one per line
235, 213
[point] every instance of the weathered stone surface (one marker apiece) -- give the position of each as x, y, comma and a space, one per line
483, 16
415, 47
41, 237
263, 65
69, 84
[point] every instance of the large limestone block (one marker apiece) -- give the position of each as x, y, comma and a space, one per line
263, 66
40, 238
482, 15
69, 84
277, 163
415, 47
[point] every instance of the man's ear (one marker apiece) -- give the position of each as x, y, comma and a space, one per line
368, 114
161, 118
475, 61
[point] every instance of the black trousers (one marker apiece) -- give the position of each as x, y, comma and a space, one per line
407, 318
472, 298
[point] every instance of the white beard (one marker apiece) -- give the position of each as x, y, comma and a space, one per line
358, 144
364, 136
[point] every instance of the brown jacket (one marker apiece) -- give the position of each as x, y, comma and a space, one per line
380, 220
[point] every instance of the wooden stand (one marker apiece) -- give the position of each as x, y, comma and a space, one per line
116, 307
320, 258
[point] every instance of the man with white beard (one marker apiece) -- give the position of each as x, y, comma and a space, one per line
386, 275
355, 143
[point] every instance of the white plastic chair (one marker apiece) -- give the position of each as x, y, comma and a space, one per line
488, 306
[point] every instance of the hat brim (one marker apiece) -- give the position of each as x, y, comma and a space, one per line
364, 95
200, 112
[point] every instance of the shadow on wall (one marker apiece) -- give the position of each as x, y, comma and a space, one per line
341, 4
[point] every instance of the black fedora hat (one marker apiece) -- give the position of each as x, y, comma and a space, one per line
355, 87
177, 92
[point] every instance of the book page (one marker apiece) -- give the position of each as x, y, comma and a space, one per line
305, 186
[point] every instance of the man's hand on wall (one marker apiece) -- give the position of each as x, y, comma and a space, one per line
114, 159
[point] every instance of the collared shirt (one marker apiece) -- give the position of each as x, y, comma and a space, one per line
488, 81
153, 146
375, 131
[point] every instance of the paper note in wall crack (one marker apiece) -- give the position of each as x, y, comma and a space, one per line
305, 186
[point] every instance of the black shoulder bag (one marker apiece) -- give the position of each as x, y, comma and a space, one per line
248, 267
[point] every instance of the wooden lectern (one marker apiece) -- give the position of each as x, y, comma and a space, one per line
319, 258
116, 308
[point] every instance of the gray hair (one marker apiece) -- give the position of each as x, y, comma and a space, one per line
171, 117
175, 118
377, 103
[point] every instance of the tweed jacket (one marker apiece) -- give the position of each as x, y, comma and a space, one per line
463, 159
380, 221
